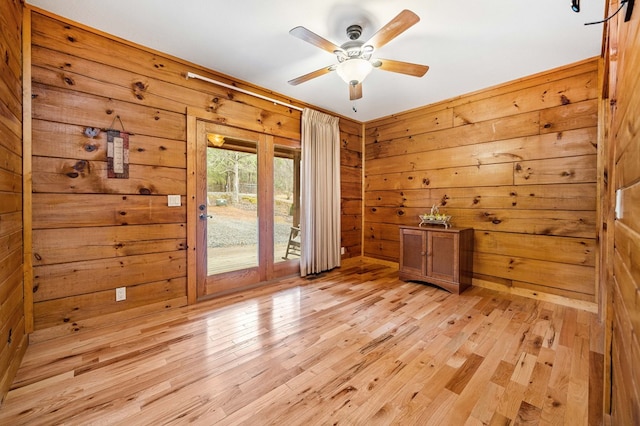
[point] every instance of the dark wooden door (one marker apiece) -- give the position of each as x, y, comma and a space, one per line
442, 249
413, 250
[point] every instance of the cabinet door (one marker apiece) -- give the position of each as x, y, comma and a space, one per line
443, 256
413, 250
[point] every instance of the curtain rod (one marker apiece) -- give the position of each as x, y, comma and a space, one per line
246, 92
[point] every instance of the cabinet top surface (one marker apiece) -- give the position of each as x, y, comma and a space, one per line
434, 228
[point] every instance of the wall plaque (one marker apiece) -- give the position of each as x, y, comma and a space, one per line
117, 154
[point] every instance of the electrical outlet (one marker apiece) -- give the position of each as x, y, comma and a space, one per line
342, 250
174, 201
121, 294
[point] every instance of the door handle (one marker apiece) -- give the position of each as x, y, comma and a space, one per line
203, 215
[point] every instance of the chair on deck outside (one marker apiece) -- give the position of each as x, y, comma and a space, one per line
293, 246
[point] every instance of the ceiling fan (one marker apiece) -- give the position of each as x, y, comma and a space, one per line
355, 57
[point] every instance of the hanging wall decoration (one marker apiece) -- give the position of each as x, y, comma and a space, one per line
117, 152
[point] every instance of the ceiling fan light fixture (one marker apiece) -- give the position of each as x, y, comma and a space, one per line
353, 71
215, 139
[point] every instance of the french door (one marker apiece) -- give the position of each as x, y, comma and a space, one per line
247, 208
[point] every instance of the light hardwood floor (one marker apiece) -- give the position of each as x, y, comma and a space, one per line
355, 346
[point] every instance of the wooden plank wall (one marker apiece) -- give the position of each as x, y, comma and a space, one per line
82, 251
13, 340
351, 187
516, 162
623, 250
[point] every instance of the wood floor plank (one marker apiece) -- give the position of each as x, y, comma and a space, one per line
596, 378
485, 408
470, 396
537, 385
351, 346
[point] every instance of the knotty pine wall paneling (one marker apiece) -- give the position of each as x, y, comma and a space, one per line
623, 250
516, 162
13, 340
92, 234
351, 187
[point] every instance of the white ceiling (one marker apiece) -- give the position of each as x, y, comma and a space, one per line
468, 44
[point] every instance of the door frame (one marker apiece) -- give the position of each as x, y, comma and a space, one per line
197, 121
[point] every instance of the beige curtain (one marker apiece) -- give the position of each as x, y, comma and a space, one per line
320, 195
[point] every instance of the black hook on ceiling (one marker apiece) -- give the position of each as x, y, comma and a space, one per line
627, 15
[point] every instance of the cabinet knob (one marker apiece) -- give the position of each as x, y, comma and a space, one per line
422, 253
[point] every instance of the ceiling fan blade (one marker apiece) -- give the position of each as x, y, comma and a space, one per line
313, 74
393, 29
355, 91
408, 68
310, 37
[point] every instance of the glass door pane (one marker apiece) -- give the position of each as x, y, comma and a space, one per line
286, 190
232, 206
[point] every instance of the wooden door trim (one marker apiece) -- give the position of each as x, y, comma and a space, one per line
265, 213
200, 237
192, 141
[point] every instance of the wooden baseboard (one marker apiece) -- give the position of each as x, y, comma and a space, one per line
374, 260
547, 297
531, 294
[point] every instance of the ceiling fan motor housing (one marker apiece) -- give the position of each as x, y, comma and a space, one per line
354, 32
354, 48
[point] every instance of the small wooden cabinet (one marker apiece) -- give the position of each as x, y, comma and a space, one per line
439, 256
